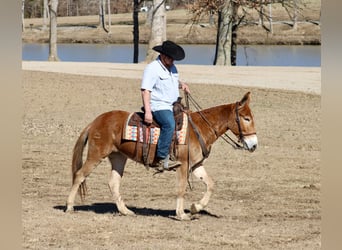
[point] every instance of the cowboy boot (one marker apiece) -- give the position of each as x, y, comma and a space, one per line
165, 164
170, 164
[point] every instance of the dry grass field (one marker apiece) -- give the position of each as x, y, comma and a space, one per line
269, 199
266, 200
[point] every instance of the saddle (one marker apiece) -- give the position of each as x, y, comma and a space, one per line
137, 119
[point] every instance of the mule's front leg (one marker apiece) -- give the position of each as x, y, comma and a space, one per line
181, 187
201, 174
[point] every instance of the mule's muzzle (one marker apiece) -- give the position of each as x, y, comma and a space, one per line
250, 143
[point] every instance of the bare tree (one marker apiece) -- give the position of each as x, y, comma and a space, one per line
263, 15
230, 19
224, 42
102, 8
53, 4
158, 28
293, 5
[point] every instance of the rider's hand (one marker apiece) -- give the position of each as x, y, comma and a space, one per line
148, 118
184, 86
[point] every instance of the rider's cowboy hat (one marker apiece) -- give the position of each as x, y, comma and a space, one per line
171, 49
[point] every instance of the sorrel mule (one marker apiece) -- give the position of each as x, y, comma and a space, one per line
104, 137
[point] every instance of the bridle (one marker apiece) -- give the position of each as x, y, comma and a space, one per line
235, 144
237, 119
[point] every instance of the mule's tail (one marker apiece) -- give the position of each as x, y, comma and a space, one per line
77, 160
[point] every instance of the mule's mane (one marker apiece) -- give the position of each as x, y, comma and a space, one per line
211, 109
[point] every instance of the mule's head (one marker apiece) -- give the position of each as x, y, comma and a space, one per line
243, 125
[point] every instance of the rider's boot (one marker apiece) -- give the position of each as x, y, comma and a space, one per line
165, 164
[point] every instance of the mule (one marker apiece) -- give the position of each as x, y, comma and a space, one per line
104, 136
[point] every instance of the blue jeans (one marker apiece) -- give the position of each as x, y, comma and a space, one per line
167, 125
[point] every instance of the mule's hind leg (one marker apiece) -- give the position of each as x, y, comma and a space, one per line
118, 162
201, 174
80, 176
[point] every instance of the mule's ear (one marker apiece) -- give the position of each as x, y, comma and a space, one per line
245, 99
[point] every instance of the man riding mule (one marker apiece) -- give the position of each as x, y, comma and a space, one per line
147, 136
104, 138
159, 90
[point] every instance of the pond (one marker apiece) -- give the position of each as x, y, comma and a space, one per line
254, 55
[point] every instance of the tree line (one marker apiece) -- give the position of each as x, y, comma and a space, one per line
230, 14
35, 8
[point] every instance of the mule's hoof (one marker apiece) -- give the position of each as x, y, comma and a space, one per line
184, 217
195, 208
127, 213
69, 209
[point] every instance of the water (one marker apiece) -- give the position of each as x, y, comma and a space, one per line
258, 55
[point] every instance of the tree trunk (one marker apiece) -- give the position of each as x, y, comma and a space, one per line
224, 37
22, 15
109, 17
233, 52
68, 5
271, 18
53, 4
136, 31
102, 15
45, 14
211, 18
77, 7
261, 15
295, 14
158, 29
149, 17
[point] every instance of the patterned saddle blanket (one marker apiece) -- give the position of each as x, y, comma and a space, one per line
133, 130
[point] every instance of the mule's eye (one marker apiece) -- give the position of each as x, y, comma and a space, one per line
247, 119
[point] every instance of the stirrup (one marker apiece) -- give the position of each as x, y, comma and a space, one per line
159, 165
172, 165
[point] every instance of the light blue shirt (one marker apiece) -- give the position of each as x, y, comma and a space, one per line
162, 83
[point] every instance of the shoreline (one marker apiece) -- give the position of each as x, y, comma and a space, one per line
302, 79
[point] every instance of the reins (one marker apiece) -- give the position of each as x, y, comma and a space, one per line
224, 136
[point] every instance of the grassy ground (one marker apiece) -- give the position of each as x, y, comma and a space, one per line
269, 199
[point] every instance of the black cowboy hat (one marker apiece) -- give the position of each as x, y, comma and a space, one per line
171, 49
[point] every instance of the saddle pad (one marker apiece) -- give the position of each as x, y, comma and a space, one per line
131, 133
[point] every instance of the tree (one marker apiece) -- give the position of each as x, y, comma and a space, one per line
102, 8
158, 28
109, 17
136, 31
53, 4
22, 15
226, 35
229, 20
45, 14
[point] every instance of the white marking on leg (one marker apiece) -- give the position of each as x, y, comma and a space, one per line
202, 175
114, 186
